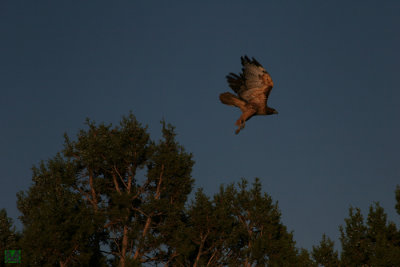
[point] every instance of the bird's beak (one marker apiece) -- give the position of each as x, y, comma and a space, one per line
275, 112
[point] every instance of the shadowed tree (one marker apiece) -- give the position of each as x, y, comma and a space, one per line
261, 238
140, 210
168, 183
210, 225
107, 160
374, 243
325, 254
58, 227
304, 259
8, 235
240, 226
355, 251
115, 194
203, 229
93, 194
384, 238
203, 226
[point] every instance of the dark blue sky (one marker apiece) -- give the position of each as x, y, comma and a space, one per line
335, 65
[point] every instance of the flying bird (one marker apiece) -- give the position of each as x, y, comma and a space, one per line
252, 88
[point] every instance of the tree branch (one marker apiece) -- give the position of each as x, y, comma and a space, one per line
120, 177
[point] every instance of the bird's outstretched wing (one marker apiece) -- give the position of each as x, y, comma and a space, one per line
254, 84
236, 82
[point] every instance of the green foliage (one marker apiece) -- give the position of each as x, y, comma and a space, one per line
115, 197
354, 239
374, 243
58, 227
139, 212
384, 238
325, 254
304, 259
261, 238
239, 227
8, 236
164, 195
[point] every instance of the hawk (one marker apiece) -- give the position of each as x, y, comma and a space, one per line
252, 87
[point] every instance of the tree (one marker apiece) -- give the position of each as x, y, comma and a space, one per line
139, 211
205, 231
166, 189
355, 250
384, 238
8, 235
304, 259
115, 197
325, 254
91, 194
107, 160
374, 243
259, 236
209, 227
239, 226
58, 227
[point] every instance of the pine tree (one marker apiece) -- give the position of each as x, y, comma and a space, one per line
374, 243
383, 237
325, 254
304, 259
261, 238
355, 245
204, 230
58, 227
140, 210
168, 185
239, 226
115, 197
8, 235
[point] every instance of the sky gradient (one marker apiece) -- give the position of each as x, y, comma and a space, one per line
335, 66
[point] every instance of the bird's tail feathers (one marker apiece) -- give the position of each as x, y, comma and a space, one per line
231, 100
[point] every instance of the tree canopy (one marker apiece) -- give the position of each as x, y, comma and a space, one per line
115, 197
